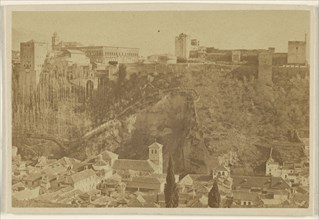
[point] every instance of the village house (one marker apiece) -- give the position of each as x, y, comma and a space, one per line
18, 186
137, 201
246, 199
199, 202
66, 162
33, 180
109, 157
186, 183
146, 183
21, 169
274, 188
289, 171
85, 180
27, 193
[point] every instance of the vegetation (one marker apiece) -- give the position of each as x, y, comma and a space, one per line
214, 196
171, 190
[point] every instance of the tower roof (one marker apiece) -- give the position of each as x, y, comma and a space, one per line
156, 145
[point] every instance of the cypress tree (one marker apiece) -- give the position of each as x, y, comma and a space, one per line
170, 190
214, 196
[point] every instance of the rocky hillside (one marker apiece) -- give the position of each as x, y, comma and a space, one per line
233, 113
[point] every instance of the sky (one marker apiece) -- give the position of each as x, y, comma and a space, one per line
154, 32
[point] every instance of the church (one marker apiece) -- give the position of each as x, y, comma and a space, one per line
129, 168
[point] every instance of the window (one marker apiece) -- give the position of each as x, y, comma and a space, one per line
244, 203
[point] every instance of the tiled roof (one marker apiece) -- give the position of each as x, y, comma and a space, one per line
18, 185
33, 177
186, 180
245, 196
80, 165
146, 179
102, 200
82, 175
288, 166
156, 145
53, 170
259, 181
67, 161
108, 155
163, 176
137, 165
201, 177
140, 199
101, 163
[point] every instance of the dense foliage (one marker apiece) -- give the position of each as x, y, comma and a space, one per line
171, 190
214, 196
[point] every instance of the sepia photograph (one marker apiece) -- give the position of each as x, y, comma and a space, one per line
160, 109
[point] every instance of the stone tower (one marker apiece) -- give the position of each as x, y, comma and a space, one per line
155, 155
182, 46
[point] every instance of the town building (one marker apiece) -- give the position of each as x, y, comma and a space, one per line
98, 54
291, 172
146, 183
85, 180
182, 46
246, 199
271, 190
106, 54
27, 193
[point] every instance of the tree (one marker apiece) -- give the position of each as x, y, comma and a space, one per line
214, 196
170, 190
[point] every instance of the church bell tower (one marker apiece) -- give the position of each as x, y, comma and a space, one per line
155, 155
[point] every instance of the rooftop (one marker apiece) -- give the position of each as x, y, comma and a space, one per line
137, 165
82, 175
156, 145
108, 155
265, 182
245, 196
147, 179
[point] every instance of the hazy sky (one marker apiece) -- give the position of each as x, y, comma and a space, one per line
154, 32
